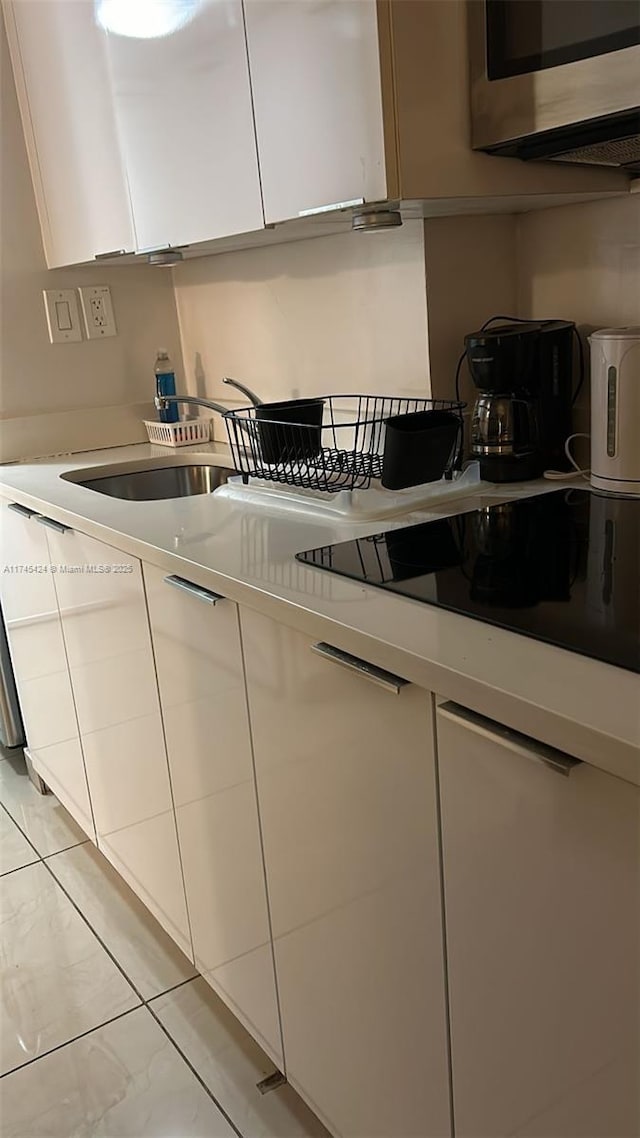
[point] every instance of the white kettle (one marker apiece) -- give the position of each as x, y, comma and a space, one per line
615, 410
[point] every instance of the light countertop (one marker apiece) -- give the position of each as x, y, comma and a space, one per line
587, 708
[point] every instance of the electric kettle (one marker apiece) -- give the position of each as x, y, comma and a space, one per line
615, 410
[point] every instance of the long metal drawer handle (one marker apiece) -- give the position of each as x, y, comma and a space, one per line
24, 511
52, 524
195, 590
524, 745
386, 680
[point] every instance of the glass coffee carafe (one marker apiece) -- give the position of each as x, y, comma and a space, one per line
505, 437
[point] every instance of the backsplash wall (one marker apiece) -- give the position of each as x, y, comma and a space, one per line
63, 397
471, 273
576, 262
342, 313
582, 262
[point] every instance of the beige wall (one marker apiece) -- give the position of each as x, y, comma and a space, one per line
101, 382
576, 262
344, 313
471, 273
582, 262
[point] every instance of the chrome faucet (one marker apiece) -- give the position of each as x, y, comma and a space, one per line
257, 402
163, 401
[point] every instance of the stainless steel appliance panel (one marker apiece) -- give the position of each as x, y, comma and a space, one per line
541, 100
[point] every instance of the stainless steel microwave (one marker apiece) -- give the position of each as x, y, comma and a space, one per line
557, 80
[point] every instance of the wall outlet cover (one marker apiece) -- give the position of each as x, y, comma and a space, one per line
97, 310
63, 317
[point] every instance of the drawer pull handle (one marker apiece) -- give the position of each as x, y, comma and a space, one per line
516, 741
386, 680
52, 524
195, 590
24, 511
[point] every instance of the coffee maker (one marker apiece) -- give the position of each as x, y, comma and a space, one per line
522, 416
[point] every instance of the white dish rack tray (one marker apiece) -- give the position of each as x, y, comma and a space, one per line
182, 434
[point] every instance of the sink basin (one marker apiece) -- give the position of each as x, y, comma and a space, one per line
155, 482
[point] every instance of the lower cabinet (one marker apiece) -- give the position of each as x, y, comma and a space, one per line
196, 639
347, 798
36, 643
542, 896
292, 819
104, 619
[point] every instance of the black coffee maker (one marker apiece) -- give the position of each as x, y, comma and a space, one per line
522, 416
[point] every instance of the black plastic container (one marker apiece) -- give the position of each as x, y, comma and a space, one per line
290, 430
419, 447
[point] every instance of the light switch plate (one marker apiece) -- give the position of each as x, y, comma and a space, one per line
97, 310
63, 317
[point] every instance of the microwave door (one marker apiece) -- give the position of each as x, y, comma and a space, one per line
543, 65
526, 36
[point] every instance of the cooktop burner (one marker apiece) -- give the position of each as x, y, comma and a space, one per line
563, 567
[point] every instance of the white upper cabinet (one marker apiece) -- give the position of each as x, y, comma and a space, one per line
183, 105
315, 74
174, 122
60, 67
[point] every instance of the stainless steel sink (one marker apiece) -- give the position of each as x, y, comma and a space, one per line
150, 485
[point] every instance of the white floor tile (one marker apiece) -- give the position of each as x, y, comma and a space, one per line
45, 822
15, 850
148, 956
231, 1063
125, 1080
57, 979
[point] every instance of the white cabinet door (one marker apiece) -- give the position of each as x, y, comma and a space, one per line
315, 74
30, 610
202, 691
183, 105
104, 618
346, 793
542, 902
60, 66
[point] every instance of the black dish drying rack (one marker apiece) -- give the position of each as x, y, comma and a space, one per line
344, 452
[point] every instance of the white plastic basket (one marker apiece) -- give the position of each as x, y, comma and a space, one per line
183, 434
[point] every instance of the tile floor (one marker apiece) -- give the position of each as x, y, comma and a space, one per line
105, 1028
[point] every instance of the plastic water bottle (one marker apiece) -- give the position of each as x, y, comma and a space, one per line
166, 385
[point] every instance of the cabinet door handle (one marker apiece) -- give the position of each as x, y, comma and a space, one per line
24, 511
386, 680
110, 253
195, 590
52, 524
516, 741
166, 248
330, 207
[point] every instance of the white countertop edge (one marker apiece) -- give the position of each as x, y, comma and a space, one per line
580, 705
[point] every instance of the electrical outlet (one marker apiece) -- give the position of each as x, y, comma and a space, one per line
63, 318
97, 310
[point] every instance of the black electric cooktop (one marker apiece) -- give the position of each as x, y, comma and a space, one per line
563, 567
